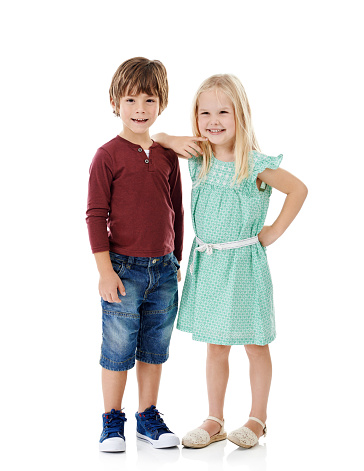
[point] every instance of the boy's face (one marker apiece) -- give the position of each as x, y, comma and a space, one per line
138, 112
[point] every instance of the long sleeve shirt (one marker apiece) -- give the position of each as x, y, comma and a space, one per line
134, 204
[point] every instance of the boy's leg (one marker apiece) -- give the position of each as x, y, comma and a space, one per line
113, 387
156, 324
148, 376
158, 314
120, 328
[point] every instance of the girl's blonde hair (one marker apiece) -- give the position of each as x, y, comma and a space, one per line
245, 140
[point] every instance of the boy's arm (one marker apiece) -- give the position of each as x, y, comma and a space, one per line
98, 207
98, 200
184, 146
176, 198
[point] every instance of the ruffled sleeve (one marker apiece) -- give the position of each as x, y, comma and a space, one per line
194, 167
258, 162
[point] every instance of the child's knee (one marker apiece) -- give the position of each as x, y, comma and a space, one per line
218, 350
257, 350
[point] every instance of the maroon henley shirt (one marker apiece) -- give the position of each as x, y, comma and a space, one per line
134, 204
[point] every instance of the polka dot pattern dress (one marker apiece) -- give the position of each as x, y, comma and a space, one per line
228, 300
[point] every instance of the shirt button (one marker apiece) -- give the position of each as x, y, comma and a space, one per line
140, 149
146, 161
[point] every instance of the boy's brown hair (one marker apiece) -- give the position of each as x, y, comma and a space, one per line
140, 75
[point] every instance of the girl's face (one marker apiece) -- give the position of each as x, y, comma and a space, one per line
216, 118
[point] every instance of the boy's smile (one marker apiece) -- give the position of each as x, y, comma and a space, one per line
139, 120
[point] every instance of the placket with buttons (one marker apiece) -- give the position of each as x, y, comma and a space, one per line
148, 161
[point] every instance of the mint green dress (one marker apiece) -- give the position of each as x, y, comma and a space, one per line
228, 300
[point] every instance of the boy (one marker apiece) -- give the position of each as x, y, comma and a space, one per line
135, 224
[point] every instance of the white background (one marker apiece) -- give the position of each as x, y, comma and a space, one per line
301, 65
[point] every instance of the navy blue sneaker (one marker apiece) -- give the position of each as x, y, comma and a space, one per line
112, 438
151, 428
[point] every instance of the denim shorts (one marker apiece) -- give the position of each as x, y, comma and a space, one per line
140, 326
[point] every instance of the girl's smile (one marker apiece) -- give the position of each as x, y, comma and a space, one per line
215, 131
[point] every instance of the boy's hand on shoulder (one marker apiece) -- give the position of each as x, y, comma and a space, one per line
109, 285
186, 146
267, 236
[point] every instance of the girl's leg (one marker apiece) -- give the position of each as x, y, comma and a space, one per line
217, 375
113, 387
260, 380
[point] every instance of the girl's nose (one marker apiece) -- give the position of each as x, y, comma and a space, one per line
214, 120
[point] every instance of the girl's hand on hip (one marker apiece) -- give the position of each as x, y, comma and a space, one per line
267, 236
179, 276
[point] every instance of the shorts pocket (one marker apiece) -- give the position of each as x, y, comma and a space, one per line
118, 266
174, 263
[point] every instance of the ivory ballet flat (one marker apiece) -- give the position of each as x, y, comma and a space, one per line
199, 438
245, 437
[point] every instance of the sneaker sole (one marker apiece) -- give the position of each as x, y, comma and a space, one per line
169, 440
112, 445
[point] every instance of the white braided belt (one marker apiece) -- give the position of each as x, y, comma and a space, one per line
209, 248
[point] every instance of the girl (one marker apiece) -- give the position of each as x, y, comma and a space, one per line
227, 297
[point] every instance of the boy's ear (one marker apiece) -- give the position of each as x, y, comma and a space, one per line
112, 103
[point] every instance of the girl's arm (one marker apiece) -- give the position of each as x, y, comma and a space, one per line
296, 192
184, 146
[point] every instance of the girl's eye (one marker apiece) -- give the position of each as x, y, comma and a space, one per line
223, 112
204, 112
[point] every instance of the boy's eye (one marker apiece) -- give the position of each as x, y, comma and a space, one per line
150, 100
129, 100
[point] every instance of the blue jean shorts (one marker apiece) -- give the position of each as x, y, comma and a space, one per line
140, 326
